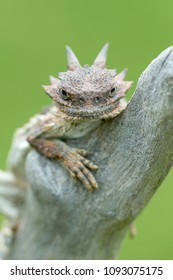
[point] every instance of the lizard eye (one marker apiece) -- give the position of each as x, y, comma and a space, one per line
64, 94
112, 92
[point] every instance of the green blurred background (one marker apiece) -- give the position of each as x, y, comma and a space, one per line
33, 35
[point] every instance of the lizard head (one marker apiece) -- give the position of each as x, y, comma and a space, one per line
90, 91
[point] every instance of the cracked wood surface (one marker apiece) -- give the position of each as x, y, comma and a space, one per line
61, 219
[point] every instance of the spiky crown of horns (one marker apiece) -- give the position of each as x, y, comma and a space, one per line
96, 85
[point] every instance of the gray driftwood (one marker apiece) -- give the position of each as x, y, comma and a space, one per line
61, 219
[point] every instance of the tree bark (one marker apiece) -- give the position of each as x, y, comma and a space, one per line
61, 219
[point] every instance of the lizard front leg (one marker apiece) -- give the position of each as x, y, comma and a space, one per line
72, 159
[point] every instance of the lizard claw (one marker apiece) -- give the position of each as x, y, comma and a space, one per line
79, 166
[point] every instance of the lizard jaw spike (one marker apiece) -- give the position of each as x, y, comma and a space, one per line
53, 80
72, 61
100, 61
121, 75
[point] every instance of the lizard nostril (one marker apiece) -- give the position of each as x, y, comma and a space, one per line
81, 100
96, 99
99, 99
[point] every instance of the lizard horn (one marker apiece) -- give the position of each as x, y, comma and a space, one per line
72, 61
100, 61
121, 75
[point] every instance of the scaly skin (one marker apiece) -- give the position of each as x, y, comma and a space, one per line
83, 96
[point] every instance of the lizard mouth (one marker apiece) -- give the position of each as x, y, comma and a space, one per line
103, 112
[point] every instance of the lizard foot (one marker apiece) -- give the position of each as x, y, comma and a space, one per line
73, 159
79, 166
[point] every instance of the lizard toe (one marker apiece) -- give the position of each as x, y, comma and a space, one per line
89, 176
79, 174
88, 163
82, 152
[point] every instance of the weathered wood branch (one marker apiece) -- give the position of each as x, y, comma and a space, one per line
61, 219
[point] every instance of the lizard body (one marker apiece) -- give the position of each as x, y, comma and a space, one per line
82, 98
